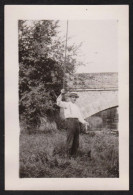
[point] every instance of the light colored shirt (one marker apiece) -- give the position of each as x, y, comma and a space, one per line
71, 110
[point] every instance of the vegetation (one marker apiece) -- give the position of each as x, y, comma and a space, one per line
41, 64
43, 155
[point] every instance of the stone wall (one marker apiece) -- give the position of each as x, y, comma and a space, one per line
93, 80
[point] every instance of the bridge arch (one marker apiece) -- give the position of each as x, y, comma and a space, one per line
92, 101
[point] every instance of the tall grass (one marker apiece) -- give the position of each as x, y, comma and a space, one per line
44, 155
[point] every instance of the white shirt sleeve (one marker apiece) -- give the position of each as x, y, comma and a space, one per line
80, 117
60, 103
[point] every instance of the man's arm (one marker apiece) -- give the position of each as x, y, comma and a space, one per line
61, 103
81, 119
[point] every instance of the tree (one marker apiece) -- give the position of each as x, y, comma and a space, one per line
41, 61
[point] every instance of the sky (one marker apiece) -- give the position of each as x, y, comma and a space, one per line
99, 50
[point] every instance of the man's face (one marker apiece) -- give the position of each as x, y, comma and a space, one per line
73, 99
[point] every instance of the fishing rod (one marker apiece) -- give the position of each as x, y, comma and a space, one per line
64, 70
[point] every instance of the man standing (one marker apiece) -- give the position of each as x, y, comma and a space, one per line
73, 116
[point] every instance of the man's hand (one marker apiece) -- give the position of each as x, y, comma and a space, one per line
86, 123
62, 91
86, 127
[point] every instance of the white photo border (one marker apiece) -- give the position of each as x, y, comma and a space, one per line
13, 13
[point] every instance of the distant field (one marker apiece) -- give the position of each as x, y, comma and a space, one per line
44, 155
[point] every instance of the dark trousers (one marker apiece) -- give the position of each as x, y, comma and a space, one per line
73, 129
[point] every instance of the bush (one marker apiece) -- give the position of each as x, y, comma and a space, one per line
41, 72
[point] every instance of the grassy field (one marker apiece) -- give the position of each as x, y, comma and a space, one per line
43, 154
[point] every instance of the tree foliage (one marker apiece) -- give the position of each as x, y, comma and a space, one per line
41, 64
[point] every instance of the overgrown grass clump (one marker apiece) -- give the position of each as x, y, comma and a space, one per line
44, 155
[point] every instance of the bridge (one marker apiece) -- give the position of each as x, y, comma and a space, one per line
97, 91
92, 101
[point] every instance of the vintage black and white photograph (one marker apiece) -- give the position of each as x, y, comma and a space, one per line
68, 98
69, 110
